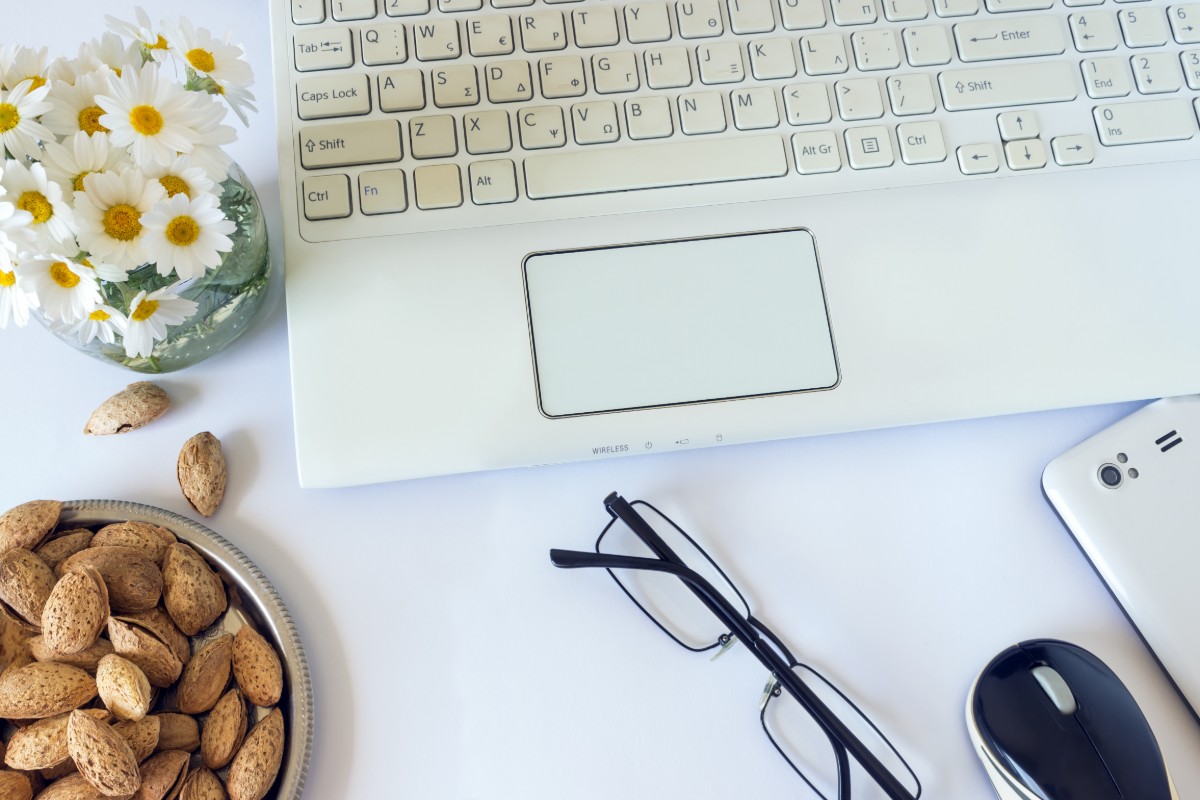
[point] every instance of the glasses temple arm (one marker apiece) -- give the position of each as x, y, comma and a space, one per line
620, 508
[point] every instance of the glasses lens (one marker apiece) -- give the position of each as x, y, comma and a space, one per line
800, 740
666, 599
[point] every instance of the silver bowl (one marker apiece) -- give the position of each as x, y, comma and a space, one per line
252, 599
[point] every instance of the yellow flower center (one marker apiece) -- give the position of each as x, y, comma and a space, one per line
63, 275
37, 205
7, 279
84, 262
182, 231
9, 117
161, 44
122, 222
146, 120
144, 311
99, 315
89, 120
38, 81
201, 59
174, 185
77, 184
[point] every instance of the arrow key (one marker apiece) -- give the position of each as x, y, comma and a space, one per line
978, 159
1015, 125
1071, 151
1025, 154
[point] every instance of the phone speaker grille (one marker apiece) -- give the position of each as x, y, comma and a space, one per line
1168, 440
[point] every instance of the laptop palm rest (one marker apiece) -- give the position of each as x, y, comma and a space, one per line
678, 322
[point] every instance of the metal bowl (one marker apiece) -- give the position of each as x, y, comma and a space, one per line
252, 599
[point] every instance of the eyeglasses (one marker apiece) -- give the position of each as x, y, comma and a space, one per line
678, 586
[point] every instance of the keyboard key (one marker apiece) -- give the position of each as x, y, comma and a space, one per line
701, 112
1007, 85
807, 104
823, 53
676, 163
1149, 121
382, 192
699, 19
1013, 37
668, 68
437, 40
438, 186
511, 3
340, 95
869, 148
1185, 23
854, 12
977, 159
308, 12
647, 22
874, 50
401, 90
345, 10
432, 137
1094, 31
858, 98
487, 132
455, 85
1191, 67
750, 16
754, 109
1144, 27
800, 15
326, 197
454, 6
383, 44
490, 36
595, 27
1025, 155
772, 58
1005, 6
1156, 73
648, 117
905, 10
1106, 77
509, 81
720, 63
927, 45
562, 76
911, 94
345, 144
542, 31
816, 152
1016, 125
542, 127
921, 142
1072, 151
322, 48
405, 8
595, 123
492, 182
955, 8
615, 72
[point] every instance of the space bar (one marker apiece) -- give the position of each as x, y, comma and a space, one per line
654, 166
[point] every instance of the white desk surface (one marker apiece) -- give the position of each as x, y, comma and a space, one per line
451, 660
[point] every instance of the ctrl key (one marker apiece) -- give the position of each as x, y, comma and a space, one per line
326, 197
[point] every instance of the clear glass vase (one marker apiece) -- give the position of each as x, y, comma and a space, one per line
228, 296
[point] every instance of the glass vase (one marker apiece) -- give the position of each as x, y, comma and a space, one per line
228, 297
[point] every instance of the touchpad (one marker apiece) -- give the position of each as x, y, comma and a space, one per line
678, 322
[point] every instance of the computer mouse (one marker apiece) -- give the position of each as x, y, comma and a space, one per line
1050, 721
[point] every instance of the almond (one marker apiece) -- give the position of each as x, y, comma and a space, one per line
141, 647
64, 545
151, 539
202, 784
143, 735
87, 659
257, 762
224, 730
75, 612
205, 677
257, 668
193, 594
201, 472
76, 787
43, 689
28, 524
136, 405
14, 786
42, 744
159, 623
163, 775
25, 583
177, 732
103, 757
134, 581
123, 687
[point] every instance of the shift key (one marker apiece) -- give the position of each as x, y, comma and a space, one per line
348, 143
1007, 85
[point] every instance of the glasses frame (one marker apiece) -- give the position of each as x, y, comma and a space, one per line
761, 641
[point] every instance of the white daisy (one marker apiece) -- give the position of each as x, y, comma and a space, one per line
187, 235
73, 106
156, 119
149, 316
23, 63
79, 155
53, 222
65, 291
103, 322
15, 300
183, 177
104, 270
15, 224
108, 215
208, 56
209, 153
109, 51
19, 128
143, 32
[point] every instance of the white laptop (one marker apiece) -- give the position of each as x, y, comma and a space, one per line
521, 232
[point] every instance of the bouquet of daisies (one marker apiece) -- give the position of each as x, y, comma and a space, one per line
111, 161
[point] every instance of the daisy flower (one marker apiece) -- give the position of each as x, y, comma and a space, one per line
108, 215
103, 322
104, 271
208, 56
142, 32
239, 98
66, 291
187, 235
183, 177
53, 221
79, 155
109, 51
209, 153
73, 105
15, 224
23, 63
19, 128
156, 119
149, 316
15, 300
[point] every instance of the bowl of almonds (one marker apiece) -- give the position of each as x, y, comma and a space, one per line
143, 657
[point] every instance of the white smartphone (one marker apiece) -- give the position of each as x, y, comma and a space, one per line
1129, 495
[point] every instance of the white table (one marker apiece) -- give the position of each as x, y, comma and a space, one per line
451, 660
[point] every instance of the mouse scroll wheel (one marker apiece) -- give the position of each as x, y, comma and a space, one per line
1055, 688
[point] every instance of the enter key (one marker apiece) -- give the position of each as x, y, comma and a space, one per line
1009, 37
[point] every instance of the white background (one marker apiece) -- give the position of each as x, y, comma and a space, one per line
451, 660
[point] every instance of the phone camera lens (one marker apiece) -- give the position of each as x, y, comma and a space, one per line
1110, 475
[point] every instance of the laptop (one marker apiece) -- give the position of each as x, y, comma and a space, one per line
521, 232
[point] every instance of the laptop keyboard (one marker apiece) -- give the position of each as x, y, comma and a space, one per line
416, 115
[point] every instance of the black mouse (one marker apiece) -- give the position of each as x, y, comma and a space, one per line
1051, 721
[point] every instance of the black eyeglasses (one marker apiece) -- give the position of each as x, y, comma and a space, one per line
812, 723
